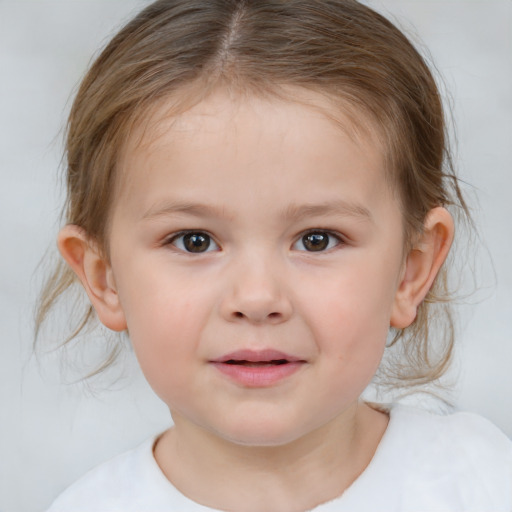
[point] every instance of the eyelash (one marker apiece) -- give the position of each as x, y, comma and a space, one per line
322, 232
331, 236
177, 236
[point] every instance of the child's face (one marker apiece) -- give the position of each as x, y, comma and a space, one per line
256, 230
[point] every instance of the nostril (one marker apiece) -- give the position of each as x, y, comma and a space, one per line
271, 316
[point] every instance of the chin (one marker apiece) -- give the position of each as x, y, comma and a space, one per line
261, 432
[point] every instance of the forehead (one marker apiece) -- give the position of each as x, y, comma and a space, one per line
237, 141
189, 113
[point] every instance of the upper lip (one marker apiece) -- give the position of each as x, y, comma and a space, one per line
257, 356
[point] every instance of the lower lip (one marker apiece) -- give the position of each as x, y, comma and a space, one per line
259, 376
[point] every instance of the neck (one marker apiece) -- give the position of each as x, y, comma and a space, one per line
290, 477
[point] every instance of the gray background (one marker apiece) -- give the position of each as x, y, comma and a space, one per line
50, 432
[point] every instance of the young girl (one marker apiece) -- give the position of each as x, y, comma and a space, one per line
259, 195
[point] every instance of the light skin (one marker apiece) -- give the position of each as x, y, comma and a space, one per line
256, 183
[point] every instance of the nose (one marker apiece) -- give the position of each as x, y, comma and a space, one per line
256, 294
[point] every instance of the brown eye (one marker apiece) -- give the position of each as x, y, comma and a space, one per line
194, 242
317, 241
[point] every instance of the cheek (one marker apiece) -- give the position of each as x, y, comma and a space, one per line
165, 320
349, 319
351, 306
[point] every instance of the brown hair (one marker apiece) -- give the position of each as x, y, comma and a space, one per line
339, 48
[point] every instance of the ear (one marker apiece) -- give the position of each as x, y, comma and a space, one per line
422, 266
95, 273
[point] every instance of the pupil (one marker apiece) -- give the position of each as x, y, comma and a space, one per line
315, 241
196, 242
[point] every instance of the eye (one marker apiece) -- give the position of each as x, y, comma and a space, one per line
194, 241
317, 241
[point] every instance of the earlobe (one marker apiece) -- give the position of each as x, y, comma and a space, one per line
422, 266
95, 274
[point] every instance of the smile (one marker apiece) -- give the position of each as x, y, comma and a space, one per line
258, 369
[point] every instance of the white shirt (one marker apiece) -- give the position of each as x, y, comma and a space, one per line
424, 463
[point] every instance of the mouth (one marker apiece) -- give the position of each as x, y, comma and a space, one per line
257, 358
257, 364
261, 368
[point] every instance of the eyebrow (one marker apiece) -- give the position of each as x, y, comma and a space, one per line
196, 209
337, 207
290, 213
